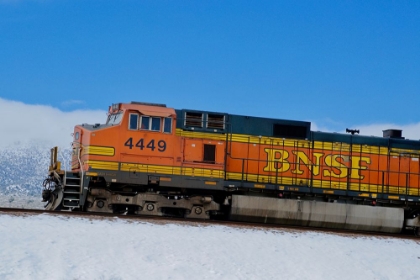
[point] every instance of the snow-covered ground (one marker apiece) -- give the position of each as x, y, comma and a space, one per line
54, 247
22, 201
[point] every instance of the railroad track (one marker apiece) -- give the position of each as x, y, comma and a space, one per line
157, 219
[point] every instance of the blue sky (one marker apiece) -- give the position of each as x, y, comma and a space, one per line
337, 63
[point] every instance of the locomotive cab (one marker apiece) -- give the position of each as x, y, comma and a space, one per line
136, 162
134, 133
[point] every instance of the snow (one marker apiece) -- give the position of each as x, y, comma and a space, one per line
59, 247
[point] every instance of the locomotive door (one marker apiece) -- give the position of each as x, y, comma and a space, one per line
403, 175
193, 150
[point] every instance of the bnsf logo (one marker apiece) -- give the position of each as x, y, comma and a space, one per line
327, 165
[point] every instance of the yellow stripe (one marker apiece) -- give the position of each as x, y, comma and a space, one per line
98, 150
104, 165
194, 134
325, 184
404, 152
173, 170
210, 183
356, 148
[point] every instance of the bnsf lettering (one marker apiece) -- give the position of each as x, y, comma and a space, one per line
161, 144
330, 165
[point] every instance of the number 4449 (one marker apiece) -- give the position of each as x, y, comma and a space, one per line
141, 144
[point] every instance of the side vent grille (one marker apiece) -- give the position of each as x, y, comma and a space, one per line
193, 119
216, 121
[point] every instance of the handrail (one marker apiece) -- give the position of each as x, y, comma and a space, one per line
79, 151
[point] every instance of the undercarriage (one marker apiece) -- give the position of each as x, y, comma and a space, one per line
152, 203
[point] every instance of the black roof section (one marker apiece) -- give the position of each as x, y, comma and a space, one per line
225, 123
216, 122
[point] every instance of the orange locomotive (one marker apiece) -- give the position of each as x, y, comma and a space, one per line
152, 160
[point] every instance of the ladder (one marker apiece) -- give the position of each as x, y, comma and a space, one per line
72, 191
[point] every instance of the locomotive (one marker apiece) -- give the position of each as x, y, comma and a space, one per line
149, 159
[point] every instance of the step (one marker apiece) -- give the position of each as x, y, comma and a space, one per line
71, 192
73, 180
74, 196
67, 185
71, 174
70, 199
72, 188
71, 203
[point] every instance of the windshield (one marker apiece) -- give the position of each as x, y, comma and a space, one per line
114, 118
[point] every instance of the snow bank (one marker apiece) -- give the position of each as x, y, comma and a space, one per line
53, 247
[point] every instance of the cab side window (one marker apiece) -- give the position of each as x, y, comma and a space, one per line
145, 122
167, 125
134, 122
155, 124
